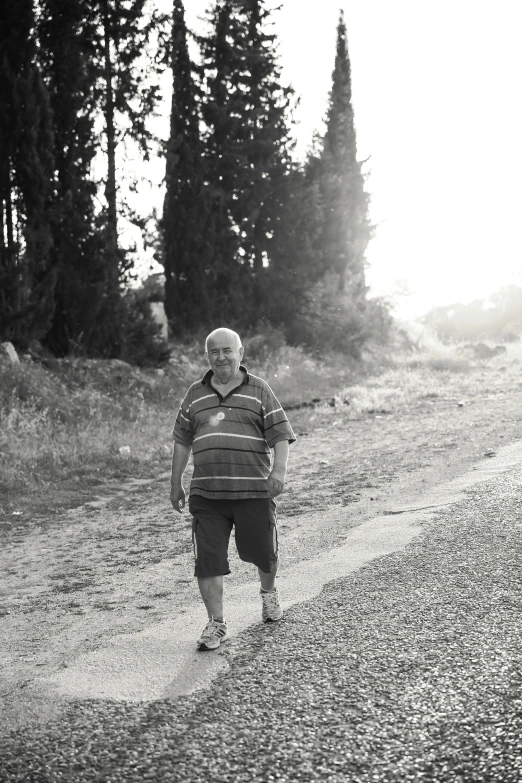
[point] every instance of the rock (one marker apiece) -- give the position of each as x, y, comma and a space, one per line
482, 351
8, 353
35, 349
490, 453
158, 314
118, 363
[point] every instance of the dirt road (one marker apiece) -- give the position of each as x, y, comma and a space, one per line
122, 564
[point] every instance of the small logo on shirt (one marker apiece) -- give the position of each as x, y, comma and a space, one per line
215, 418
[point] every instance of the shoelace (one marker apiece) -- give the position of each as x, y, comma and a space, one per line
213, 628
270, 599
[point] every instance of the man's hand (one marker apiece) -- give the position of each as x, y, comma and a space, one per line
177, 498
276, 482
276, 479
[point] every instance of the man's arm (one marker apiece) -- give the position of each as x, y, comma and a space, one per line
276, 479
180, 458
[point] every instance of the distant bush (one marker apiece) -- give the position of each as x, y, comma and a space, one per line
499, 318
262, 345
334, 320
142, 342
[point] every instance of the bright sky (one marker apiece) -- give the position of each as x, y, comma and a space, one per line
436, 89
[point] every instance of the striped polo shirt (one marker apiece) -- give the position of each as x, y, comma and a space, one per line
231, 437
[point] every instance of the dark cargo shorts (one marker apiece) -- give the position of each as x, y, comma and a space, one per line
254, 520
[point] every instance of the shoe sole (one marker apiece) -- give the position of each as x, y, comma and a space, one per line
204, 648
273, 619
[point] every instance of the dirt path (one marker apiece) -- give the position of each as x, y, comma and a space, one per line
123, 562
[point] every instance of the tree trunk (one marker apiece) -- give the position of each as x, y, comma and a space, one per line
110, 187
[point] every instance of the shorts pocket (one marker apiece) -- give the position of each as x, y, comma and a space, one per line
272, 526
194, 538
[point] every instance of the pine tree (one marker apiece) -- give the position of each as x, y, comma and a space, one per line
127, 95
127, 90
220, 68
185, 224
96, 60
347, 228
66, 35
26, 180
248, 146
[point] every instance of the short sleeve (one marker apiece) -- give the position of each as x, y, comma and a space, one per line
276, 425
182, 432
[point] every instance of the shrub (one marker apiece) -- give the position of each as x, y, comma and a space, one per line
264, 344
340, 321
142, 344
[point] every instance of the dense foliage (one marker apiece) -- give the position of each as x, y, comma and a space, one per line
248, 235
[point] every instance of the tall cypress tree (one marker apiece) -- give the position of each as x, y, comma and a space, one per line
26, 179
296, 251
347, 228
185, 227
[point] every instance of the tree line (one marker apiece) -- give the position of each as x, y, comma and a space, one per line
248, 235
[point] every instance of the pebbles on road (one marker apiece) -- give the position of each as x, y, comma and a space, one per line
410, 669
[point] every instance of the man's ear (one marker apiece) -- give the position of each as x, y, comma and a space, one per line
241, 352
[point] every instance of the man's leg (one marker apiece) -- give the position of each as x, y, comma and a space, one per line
211, 589
210, 534
269, 595
256, 542
215, 631
268, 579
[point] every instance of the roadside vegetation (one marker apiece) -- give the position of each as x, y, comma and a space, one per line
79, 422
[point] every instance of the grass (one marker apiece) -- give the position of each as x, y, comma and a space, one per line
62, 422
62, 425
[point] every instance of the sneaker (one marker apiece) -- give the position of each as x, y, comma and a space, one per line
271, 607
213, 634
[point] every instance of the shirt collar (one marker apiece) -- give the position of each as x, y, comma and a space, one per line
205, 381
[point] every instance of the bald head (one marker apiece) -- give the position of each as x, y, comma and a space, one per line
224, 353
223, 334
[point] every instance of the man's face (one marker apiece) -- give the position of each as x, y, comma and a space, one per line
224, 353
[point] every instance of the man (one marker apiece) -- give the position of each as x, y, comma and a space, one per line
231, 420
